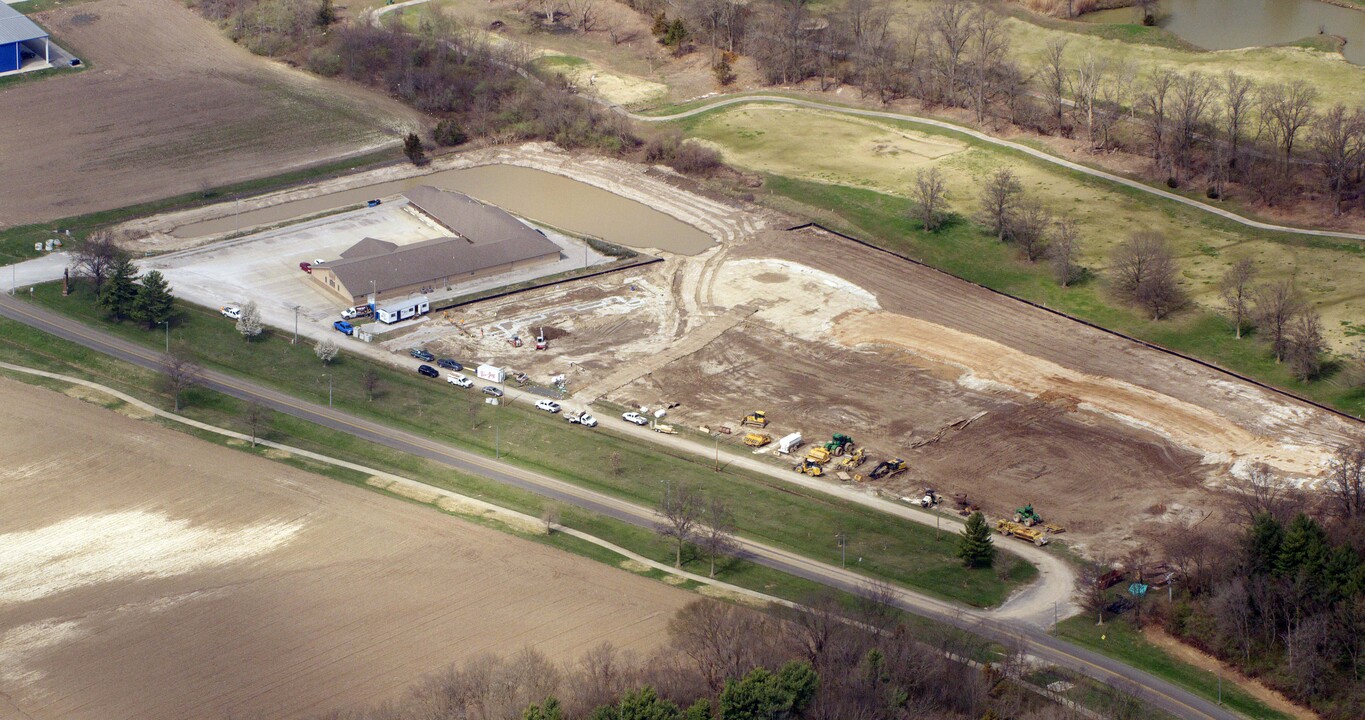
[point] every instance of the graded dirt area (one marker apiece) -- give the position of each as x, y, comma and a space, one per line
169, 106
152, 575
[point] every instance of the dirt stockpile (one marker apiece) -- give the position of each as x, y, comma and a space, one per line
153, 575
169, 106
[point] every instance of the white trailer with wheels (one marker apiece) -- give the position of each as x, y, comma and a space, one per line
402, 309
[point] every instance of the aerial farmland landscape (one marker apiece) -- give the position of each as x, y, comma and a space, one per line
656, 359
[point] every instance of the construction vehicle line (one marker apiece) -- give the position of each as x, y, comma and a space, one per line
761, 553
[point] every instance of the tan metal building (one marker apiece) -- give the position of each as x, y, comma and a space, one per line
485, 241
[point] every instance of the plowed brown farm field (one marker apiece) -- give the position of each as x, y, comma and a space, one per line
148, 574
169, 106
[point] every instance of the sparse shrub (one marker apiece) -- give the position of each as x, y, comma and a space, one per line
449, 133
324, 62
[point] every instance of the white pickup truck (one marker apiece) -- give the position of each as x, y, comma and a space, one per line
581, 418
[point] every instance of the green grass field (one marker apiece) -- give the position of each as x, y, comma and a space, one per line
768, 510
1120, 640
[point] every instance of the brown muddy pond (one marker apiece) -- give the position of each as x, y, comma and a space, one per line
533, 194
1231, 24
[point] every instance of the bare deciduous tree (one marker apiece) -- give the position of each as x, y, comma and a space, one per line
1285, 110
1305, 345
257, 419
681, 510
1235, 289
1261, 492
987, 52
1237, 97
550, 517
1063, 250
96, 257
1054, 78
1338, 143
716, 536
1191, 97
371, 382
1090, 591
1028, 228
1086, 81
584, 14
1277, 304
929, 195
1155, 100
950, 23
1145, 272
998, 200
1346, 481
179, 373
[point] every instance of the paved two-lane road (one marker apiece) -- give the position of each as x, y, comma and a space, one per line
1158, 692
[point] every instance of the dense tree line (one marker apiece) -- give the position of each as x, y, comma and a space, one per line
1281, 594
733, 663
1221, 131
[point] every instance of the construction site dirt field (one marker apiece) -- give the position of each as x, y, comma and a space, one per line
980, 393
152, 575
169, 105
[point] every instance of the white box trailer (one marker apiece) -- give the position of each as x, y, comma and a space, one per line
789, 443
403, 309
491, 373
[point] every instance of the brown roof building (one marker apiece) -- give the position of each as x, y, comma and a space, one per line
486, 241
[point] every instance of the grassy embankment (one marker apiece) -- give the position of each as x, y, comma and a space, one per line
768, 510
1120, 640
861, 188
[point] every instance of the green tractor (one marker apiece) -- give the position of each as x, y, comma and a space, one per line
1027, 517
840, 444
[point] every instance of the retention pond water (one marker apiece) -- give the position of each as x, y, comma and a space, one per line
533, 194
1230, 24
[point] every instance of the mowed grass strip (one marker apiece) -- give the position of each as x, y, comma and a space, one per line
22, 345
1118, 639
768, 510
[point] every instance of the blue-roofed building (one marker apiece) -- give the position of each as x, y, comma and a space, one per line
19, 38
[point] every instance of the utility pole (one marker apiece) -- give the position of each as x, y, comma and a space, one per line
167, 323
843, 549
717, 453
296, 326
497, 442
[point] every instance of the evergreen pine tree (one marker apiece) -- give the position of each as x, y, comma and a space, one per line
119, 291
1263, 544
975, 546
1305, 547
412, 147
154, 300
549, 711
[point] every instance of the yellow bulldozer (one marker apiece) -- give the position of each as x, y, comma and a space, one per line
853, 459
757, 439
758, 419
818, 455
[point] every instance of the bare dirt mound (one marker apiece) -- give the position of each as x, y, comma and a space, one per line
153, 575
169, 106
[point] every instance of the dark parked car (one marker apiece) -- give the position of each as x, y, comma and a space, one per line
449, 364
421, 354
373, 203
491, 390
344, 327
428, 370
